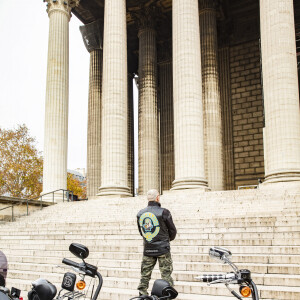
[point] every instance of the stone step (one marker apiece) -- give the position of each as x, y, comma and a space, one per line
132, 213
178, 266
236, 250
194, 209
136, 236
23, 249
179, 237
46, 244
194, 205
132, 229
184, 223
189, 212
178, 213
54, 258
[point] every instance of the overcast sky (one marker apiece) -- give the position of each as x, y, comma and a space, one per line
24, 29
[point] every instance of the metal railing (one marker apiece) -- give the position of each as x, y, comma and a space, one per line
65, 195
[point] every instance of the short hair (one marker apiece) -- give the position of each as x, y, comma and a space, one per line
152, 194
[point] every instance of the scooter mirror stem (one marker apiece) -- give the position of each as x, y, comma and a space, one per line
231, 264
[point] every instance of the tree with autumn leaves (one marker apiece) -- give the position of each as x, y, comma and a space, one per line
74, 185
21, 166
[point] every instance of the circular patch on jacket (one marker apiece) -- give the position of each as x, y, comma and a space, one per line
149, 226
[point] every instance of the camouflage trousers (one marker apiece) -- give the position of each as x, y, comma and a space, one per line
165, 266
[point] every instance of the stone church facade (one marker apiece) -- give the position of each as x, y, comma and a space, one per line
218, 90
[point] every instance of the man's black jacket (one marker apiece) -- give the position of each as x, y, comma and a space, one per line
156, 226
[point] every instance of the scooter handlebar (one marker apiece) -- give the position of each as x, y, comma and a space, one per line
216, 277
70, 263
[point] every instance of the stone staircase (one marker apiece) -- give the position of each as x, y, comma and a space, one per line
260, 227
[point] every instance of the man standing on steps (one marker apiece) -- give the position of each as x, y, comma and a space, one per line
156, 226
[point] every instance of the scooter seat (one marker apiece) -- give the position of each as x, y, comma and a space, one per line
44, 289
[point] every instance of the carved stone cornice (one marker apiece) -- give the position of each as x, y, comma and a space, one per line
64, 6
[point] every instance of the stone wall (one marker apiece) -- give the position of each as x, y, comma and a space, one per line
19, 210
247, 113
19, 207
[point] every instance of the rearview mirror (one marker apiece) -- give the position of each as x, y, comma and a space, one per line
79, 250
220, 253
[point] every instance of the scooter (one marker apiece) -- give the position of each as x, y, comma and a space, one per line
44, 290
247, 287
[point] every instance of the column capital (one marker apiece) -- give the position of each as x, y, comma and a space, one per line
64, 6
145, 17
92, 35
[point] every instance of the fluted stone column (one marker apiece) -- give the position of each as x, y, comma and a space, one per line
213, 147
114, 132
187, 88
281, 94
130, 135
57, 97
166, 116
149, 175
225, 95
92, 37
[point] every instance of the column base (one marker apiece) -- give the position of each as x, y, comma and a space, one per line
287, 180
114, 191
189, 183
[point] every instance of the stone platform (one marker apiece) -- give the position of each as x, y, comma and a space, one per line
260, 227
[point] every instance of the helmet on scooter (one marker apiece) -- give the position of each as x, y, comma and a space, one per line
162, 288
42, 290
